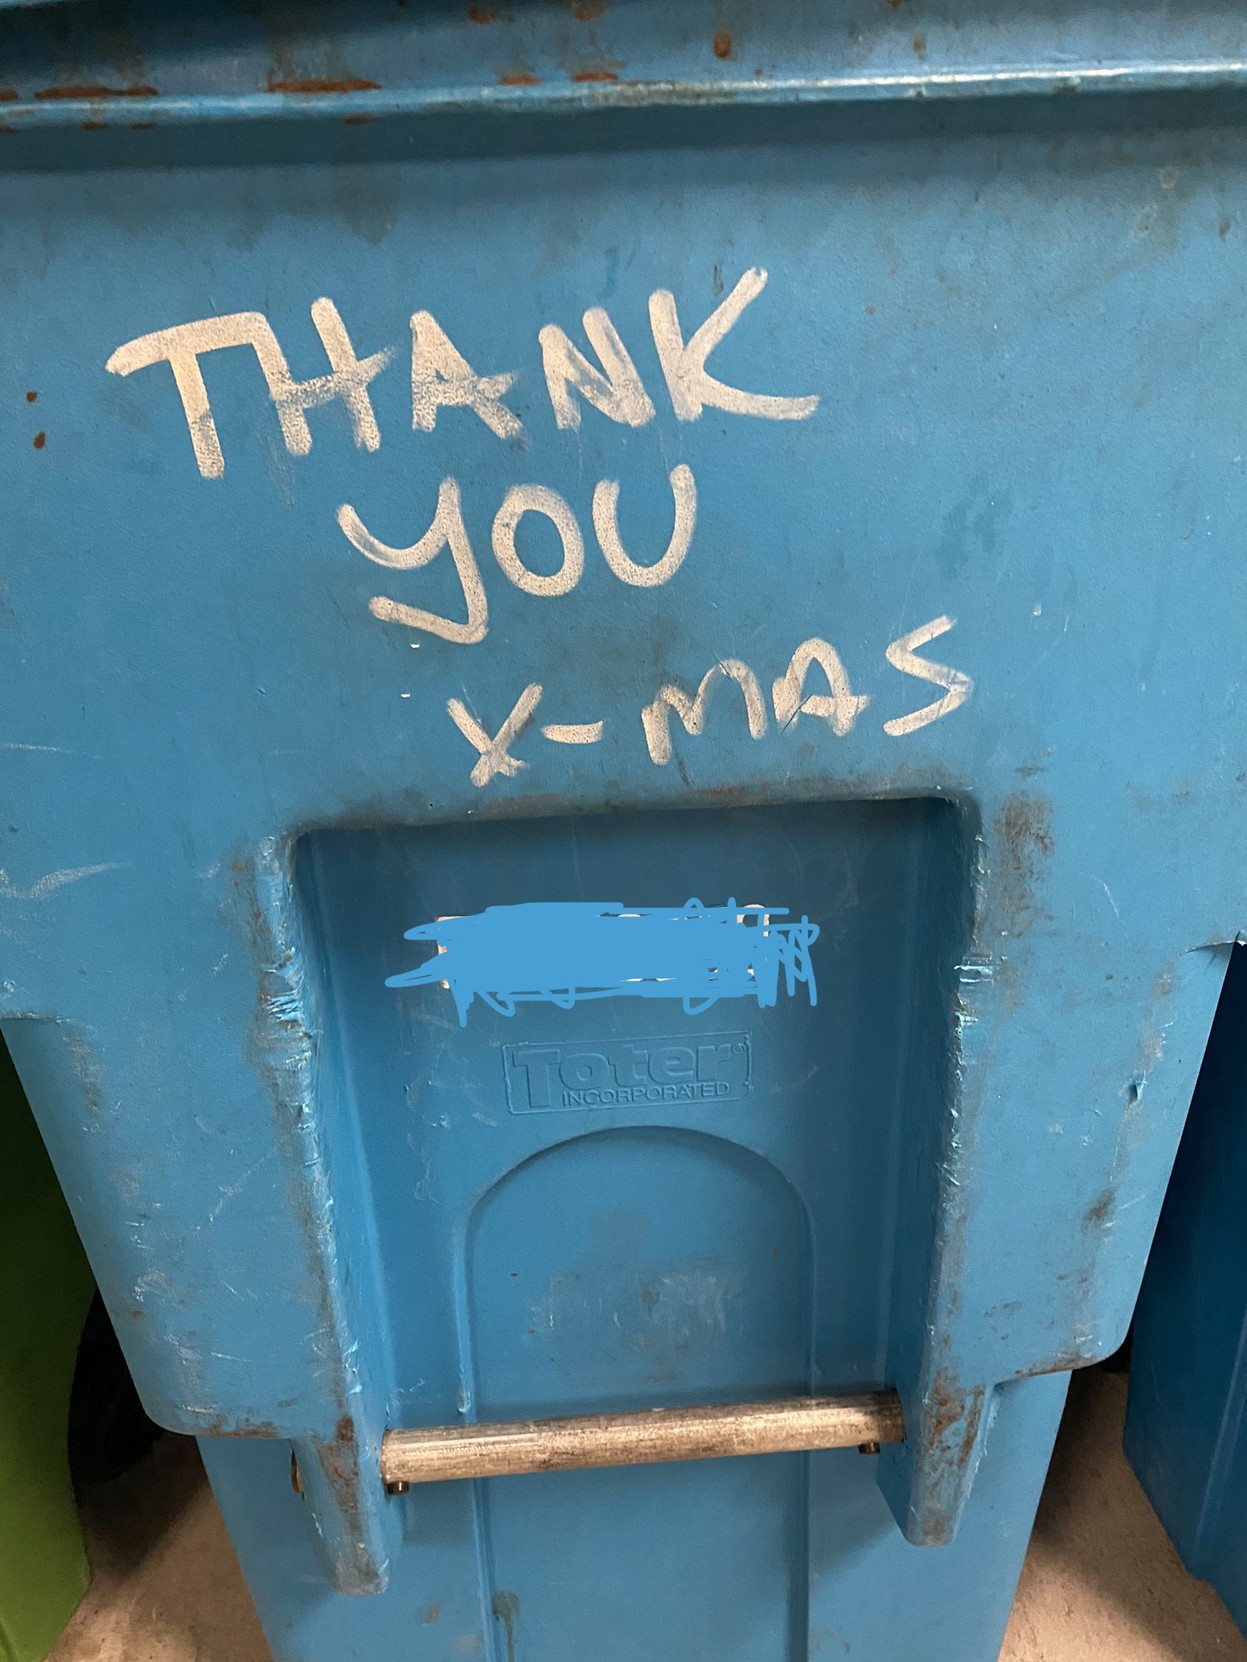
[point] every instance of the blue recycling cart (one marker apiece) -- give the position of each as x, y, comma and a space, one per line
622, 739
1184, 1421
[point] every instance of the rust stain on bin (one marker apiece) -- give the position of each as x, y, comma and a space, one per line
93, 93
1026, 822
519, 78
945, 1403
1099, 1213
323, 85
339, 1460
595, 75
949, 1407
244, 1429
1025, 830
722, 43
482, 15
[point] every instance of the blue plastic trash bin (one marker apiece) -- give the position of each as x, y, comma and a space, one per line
1184, 1422
621, 746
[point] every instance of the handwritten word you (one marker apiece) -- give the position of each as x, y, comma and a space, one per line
442, 378
448, 531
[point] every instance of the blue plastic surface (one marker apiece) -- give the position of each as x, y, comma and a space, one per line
459, 460
781, 1556
1188, 1382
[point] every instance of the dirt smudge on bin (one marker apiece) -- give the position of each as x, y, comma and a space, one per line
505, 1608
285, 1052
1024, 828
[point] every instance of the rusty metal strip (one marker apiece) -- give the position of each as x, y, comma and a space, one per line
506, 1448
570, 97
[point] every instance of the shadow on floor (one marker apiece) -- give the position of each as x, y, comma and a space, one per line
166, 1586
1102, 1580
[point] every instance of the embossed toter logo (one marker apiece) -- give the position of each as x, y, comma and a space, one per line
627, 1073
563, 952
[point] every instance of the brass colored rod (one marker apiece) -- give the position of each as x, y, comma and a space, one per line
505, 1448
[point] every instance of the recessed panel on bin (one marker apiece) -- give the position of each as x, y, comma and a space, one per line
620, 1201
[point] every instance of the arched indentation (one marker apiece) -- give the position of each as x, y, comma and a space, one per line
637, 1266
628, 1268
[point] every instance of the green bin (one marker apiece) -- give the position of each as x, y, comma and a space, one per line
45, 1292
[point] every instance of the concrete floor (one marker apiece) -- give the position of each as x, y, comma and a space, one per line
1101, 1583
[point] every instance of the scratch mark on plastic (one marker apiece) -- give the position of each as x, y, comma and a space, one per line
567, 952
43, 887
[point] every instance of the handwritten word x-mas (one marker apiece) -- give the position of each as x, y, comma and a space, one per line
839, 706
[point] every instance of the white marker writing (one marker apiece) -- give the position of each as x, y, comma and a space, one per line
536, 499
606, 526
574, 732
840, 709
494, 757
618, 392
182, 347
449, 531
690, 384
442, 377
656, 717
446, 531
901, 655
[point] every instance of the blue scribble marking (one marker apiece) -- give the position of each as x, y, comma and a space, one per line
563, 952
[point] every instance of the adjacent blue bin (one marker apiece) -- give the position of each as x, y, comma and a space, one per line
621, 757
1188, 1384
